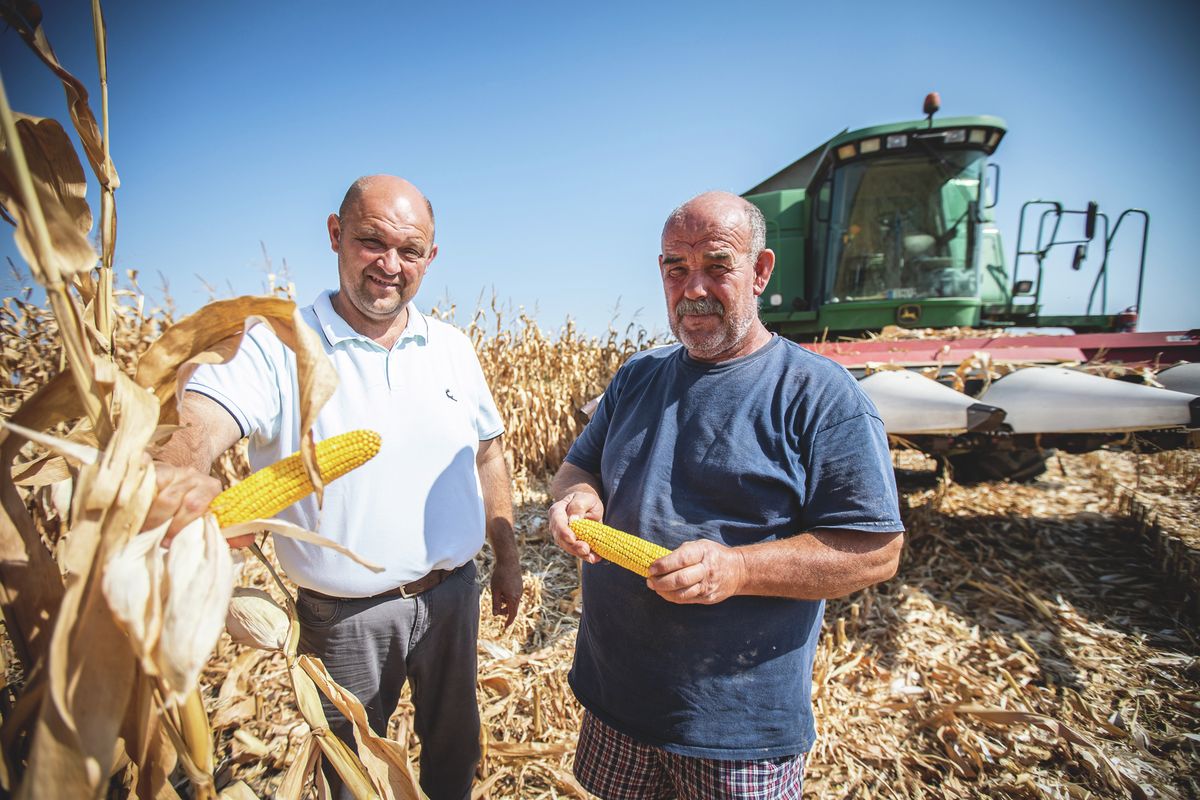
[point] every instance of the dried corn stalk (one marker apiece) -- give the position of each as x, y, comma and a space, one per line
111, 629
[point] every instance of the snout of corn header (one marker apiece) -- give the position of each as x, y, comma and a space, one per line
275, 487
623, 549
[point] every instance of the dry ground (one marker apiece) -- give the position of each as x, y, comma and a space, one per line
1026, 649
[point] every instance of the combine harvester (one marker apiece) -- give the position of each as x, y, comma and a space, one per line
890, 227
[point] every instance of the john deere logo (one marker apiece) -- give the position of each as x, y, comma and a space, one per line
910, 312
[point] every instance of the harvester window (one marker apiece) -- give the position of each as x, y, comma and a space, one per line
904, 226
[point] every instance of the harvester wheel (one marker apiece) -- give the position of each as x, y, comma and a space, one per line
1020, 465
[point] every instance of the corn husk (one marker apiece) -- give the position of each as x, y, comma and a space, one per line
172, 601
256, 620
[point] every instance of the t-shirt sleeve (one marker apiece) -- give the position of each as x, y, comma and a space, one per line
588, 448
488, 422
247, 386
851, 483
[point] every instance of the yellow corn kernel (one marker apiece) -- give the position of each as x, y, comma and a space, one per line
623, 549
275, 487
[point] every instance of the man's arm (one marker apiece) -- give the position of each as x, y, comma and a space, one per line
498, 510
207, 431
577, 494
819, 565
184, 462
811, 566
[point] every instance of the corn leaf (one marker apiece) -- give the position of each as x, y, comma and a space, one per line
306, 762
90, 668
386, 760
291, 531
340, 757
238, 790
26, 19
197, 588
213, 334
132, 585
59, 184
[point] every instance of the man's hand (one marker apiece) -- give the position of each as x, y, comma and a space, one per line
506, 588
699, 571
574, 505
182, 496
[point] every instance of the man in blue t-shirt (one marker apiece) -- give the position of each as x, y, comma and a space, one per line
765, 470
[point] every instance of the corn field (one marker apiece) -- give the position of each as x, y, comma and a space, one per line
1030, 646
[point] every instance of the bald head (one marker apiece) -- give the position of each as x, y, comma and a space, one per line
390, 185
726, 209
383, 237
714, 266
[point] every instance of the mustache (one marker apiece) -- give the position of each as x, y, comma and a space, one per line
707, 305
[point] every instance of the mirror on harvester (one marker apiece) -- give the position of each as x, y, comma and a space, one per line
1080, 255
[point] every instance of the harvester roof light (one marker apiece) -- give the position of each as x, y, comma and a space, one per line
776, 299
955, 137
995, 140
895, 140
978, 135
846, 151
869, 146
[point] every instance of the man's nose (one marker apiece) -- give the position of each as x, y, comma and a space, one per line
694, 287
390, 261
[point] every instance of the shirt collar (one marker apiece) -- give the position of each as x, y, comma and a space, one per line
336, 330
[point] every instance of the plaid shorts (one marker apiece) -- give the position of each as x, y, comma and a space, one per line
614, 766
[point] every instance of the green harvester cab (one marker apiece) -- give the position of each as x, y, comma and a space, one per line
893, 225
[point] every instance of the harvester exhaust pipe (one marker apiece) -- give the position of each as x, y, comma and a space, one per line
933, 102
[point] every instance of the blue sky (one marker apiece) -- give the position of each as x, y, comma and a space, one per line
554, 138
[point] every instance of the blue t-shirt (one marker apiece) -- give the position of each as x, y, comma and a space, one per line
762, 447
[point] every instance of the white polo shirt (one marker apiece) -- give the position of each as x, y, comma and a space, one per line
416, 506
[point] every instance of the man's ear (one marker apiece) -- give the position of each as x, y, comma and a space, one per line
763, 268
433, 251
335, 231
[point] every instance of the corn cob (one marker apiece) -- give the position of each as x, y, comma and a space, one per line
275, 487
255, 619
625, 550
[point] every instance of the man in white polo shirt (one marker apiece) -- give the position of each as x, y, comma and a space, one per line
420, 508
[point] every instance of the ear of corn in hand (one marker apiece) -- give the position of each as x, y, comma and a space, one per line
623, 549
275, 487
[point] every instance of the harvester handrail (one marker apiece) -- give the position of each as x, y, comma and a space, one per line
1037, 287
1108, 240
1047, 239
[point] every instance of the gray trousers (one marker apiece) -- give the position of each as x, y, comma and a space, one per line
372, 646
